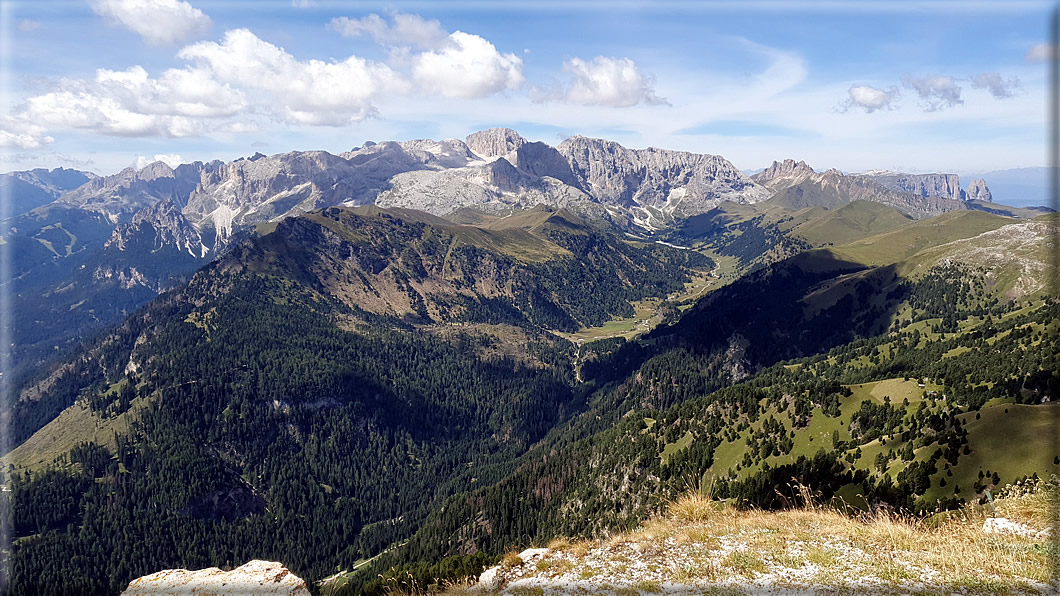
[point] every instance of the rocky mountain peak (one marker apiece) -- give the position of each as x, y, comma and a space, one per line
789, 168
153, 170
123, 194
447, 153
978, 191
658, 184
494, 142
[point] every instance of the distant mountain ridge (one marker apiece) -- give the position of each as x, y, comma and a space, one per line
918, 195
495, 171
143, 230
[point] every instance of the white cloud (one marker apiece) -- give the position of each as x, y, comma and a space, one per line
998, 87
870, 98
303, 3
404, 30
26, 25
157, 21
604, 81
170, 159
467, 66
309, 92
455, 64
935, 92
240, 127
131, 103
19, 134
1040, 52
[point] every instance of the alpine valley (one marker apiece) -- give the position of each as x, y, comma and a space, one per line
393, 365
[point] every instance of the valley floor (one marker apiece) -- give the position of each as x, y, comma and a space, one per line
707, 547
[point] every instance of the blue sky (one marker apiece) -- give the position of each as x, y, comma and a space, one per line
912, 86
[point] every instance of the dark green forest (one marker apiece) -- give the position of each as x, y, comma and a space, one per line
287, 422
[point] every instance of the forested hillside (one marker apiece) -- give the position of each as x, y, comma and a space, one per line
270, 412
382, 392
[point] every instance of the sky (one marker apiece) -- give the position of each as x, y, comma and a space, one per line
101, 85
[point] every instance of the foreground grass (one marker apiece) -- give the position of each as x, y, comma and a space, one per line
702, 545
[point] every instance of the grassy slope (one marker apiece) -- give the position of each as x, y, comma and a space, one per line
74, 425
903, 243
849, 223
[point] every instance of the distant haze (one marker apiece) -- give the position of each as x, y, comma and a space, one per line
1020, 187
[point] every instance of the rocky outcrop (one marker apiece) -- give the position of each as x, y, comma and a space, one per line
256, 577
494, 142
978, 191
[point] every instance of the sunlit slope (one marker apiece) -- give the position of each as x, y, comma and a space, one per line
901, 243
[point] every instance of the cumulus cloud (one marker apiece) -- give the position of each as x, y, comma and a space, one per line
131, 103
310, 92
233, 84
19, 134
935, 92
870, 98
170, 159
404, 30
157, 21
604, 81
998, 87
1040, 52
466, 66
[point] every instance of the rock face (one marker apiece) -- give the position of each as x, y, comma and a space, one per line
121, 195
496, 170
539, 159
494, 142
159, 227
943, 186
978, 191
788, 169
256, 577
656, 184
797, 185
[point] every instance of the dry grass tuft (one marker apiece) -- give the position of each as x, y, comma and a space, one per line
711, 544
511, 559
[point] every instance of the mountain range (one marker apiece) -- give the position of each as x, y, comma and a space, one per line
65, 223
401, 361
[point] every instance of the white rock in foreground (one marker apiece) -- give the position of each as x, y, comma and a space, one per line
1001, 525
493, 579
256, 577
